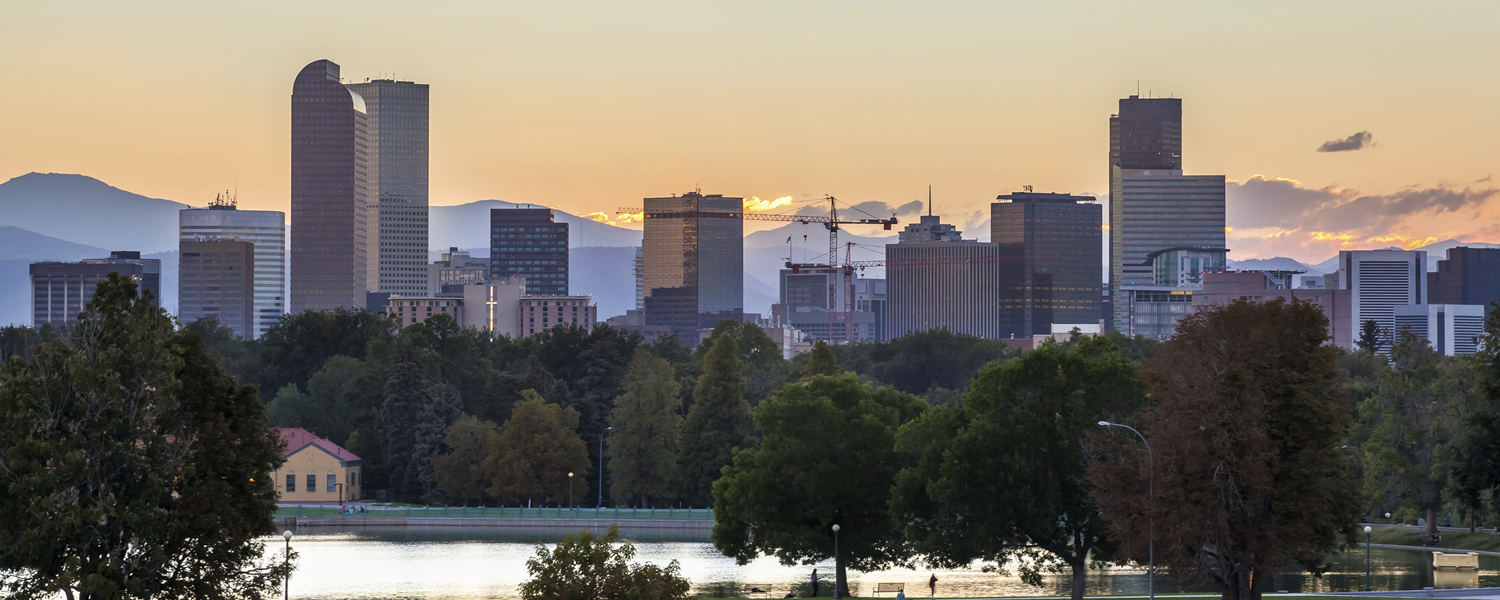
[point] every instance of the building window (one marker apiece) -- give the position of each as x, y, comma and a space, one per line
355, 476
291, 482
333, 481
312, 482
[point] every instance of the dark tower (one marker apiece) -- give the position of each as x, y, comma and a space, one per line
526, 242
1146, 134
330, 195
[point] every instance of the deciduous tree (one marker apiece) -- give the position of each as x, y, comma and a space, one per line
820, 361
535, 451
583, 567
461, 473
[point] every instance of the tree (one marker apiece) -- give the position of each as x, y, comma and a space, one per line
916, 362
503, 391
461, 472
820, 361
761, 362
431, 424
535, 451
1004, 477
718, 424
828, 457
406, 389
583, 567
1248, 418
114, 479
646, 432
1372, 337
298, 345
1475, 460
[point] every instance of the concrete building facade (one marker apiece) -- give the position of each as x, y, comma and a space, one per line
1466, 276
60, 290
526, 242
316, 470
1451, 329
266, 229
396, 174
331, 195
1056, 241
803, 304
540, 313
217, 279
958, 286
1379, 281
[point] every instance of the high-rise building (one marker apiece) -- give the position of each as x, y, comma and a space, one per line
957, 284
217, 279
525, 242
803, 304
396, 116
1152, 205
1467, 276
1451, 329
60, 290
266, 229
330, 192
640, 278
1056, 240
455, 270
1379, 281
694, 253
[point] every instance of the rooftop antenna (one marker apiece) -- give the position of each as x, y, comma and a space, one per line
929, 199
1138, 87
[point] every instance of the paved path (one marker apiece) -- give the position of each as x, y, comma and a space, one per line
381, 521
1427, 549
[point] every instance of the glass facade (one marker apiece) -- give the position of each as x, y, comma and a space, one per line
694, 261
397, 116
217, 279
330, 192
266, 229
525, 242
1156, 210
1057, 240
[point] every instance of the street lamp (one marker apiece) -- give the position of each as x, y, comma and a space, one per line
837, 588
570, 489
601, 469
286, 562
1151, 518
1367, 558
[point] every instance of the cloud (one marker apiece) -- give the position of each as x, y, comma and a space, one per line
866, 210
1354, 142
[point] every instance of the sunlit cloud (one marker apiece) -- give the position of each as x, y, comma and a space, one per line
1326, 236
1408, 242
617, 220
755, 204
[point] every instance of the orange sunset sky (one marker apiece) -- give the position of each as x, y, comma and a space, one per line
587, 106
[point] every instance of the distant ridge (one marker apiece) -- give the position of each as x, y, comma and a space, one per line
77, 208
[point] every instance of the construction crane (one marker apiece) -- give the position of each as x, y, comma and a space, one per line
832, 223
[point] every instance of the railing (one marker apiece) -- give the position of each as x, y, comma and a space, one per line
503, 512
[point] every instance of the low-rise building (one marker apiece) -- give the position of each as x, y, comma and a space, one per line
315, 469
410, 311
1451, 329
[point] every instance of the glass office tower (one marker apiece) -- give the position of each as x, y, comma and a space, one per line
330, 192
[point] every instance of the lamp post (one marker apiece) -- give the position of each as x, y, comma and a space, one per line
837, 589
601, 468
1367, 558
1151, 519
286, 562
570, 489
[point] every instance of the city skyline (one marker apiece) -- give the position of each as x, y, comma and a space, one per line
867, 114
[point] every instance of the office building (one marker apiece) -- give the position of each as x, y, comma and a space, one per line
494, 306
929, 228
1056, 241
266, 230
396, 175
1451, 329
1184, 266
330, 192
1224, 287
525, 242
410, 311
1379, 281
540, 313
694, 255
217, 279
1466, 276
1153, 205
803, 304
956, 286
60, 290
640, 278
455, 270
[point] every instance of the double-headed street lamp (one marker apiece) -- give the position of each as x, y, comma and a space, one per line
286, 562
1151, 519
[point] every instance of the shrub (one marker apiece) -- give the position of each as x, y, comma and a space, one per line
583, 567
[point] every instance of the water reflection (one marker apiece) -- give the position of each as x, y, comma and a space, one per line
441, 563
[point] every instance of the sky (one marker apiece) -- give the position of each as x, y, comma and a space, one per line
589, 106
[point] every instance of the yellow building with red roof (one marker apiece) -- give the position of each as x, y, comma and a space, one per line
316, 470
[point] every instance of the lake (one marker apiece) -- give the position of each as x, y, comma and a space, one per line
442, 563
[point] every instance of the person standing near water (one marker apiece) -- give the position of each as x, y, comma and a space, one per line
932, 586
815, 583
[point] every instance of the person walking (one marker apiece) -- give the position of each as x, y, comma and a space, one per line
932, 587
815, 583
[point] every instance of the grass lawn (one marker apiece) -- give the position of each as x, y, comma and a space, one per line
1451, 539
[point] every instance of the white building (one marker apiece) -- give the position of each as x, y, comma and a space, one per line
1379, 281
266, 229
1451, 329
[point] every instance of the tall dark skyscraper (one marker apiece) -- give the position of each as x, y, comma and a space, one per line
1152, 205
330, 192
1058, 240
397, 119
526, 242
694, 254
217, 279
1467, 276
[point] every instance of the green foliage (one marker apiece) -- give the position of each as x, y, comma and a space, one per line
583, 567
436, 416
405, 393
828, 457
917, 362
760, 360
503, 391
1475, 461
1372, 337
820, 361
115, 483
461, 473
1249, 478
990, 478
647, 430
536, 449
718, 424
299, 344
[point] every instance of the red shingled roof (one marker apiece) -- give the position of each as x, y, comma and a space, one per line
296, 438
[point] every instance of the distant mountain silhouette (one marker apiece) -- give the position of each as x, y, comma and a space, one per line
83, 209
1279, 263
20, 244
468, 226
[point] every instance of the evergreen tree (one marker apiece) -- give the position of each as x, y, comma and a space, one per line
461, 472
719, 423
1372, 337
430, 429
820, 361
536, 449
646, 432
406, 390
503, 391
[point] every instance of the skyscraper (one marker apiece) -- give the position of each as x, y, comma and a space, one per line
1379, 281
1057, 240
1152, 205
396, 114
217, 279
695, 261
266, 229
525, 242
330, 192
1466, 276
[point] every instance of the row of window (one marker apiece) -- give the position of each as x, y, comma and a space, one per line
312, 481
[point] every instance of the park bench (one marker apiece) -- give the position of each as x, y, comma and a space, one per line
756, 588
882, 588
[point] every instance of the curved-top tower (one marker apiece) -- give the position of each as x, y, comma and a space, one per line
330, 193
